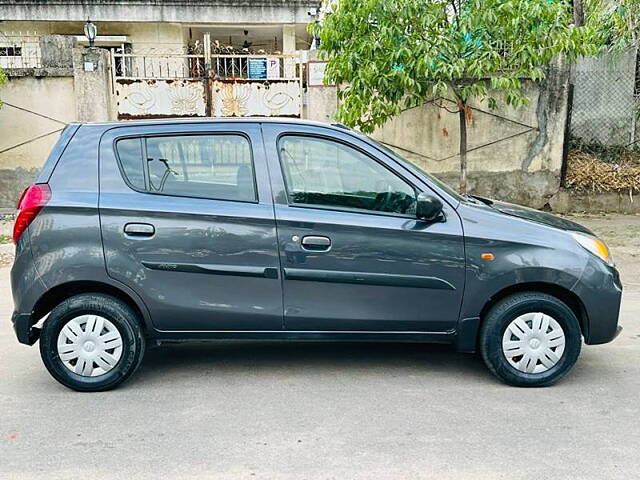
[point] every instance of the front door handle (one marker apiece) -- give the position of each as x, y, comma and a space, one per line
316, 243
139, 229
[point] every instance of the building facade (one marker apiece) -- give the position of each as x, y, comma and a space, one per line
230, 58
150, 58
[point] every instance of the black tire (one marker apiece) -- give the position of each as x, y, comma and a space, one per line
114, 310
508, 309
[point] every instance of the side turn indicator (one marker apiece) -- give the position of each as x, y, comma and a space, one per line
487, 256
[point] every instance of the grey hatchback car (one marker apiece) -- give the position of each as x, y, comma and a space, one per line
287, 230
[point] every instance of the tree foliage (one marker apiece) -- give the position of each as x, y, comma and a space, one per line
622, 24
391, 55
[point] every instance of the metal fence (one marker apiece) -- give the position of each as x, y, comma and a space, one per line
20, 50
190, 66
165, 66
606, 104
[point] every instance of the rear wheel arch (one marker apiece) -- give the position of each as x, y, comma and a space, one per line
60, 293
92, 342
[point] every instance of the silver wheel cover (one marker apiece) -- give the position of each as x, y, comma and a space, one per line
89, 345
533, 342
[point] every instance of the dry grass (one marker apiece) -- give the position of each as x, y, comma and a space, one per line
587, 173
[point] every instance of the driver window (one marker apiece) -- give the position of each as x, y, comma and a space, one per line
327, 173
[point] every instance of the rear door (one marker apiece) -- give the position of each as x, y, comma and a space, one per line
188, 223
354, 256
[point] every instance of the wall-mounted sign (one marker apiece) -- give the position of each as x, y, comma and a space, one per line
273, 68
257, 68
315, 72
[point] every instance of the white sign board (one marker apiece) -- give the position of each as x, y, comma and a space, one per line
316, 74
273, 68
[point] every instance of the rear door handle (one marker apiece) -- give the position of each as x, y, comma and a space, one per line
316, 243
139, 229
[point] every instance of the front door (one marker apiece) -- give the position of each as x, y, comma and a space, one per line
187, 222
353, 254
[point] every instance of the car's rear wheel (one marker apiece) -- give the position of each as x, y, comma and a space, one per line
92, 342
530, 339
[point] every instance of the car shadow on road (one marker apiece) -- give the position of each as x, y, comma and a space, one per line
180, 361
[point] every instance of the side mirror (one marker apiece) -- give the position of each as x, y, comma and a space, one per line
428, 207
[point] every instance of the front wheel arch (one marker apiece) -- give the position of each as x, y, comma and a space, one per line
564, 295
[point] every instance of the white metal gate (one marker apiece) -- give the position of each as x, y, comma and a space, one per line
201, 84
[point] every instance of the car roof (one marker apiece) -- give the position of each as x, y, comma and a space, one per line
182, 121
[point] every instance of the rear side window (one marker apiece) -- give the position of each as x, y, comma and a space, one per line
204, 166
130, 152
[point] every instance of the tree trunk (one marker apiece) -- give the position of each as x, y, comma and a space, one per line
578, 13
462, 115
578, 21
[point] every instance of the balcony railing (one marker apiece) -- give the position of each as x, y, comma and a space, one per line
195, 66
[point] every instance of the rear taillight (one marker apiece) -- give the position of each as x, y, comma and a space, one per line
31, 202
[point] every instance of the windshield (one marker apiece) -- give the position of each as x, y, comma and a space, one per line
414, 168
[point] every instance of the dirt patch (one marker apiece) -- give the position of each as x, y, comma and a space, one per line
6, 230
6, 255
6, 247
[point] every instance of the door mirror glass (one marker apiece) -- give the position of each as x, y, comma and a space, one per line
428, 207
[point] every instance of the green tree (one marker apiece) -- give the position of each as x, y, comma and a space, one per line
392, 55
624, 24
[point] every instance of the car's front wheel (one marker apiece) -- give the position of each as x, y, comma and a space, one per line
92, 342
530, 339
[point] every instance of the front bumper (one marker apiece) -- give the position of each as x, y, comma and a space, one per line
600, 291
25, 332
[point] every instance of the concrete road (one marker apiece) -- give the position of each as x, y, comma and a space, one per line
327, 411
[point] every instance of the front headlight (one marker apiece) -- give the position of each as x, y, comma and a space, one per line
595, 246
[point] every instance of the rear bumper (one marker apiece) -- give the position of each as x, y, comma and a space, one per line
618, 330
600, 291
26, 287
25, 332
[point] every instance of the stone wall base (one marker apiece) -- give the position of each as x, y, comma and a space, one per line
568, 201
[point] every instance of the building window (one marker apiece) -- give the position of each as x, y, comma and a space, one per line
10, 51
